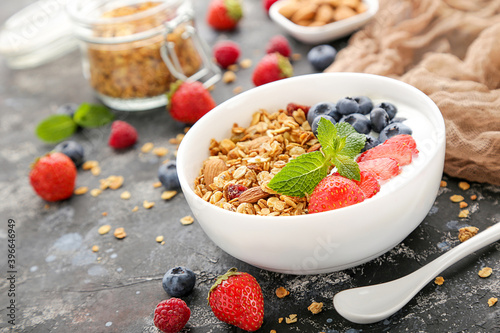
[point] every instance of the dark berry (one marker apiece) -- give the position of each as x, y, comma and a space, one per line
322, 108
394, 129
370, 143
365, 104
179, 281
397, 120
235, 190
360, 122
73, 150
69, 109
315, 123
390, 108
321, 56
167, 173
379, 119
347, 105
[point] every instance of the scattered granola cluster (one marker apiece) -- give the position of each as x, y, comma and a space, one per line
236, 175
136, 69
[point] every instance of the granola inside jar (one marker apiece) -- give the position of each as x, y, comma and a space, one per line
132, 51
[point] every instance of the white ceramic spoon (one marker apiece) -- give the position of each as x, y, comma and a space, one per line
366, 305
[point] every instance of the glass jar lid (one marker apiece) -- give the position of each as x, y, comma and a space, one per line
39, 33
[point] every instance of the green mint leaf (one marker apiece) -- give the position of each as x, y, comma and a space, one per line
344, 129
55, 128
300, 175
353, 144
91, 115
327, 135
347, 167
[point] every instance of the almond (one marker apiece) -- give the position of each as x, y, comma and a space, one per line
213, 167
252, 195
324, 14
305, 13
343, 12
290, 8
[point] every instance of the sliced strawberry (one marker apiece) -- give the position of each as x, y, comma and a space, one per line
384, 168
368, 183
405, 139
334, 192
397, 150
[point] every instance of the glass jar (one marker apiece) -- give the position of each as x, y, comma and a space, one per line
133, 50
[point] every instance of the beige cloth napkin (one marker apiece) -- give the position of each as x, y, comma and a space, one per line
449, 49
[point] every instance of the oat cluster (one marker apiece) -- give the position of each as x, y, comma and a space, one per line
251, 157
136, 69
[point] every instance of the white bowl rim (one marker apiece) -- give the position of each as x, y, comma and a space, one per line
372, 9
238, 217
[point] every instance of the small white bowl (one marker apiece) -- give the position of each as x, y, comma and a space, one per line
327, 32
328, 241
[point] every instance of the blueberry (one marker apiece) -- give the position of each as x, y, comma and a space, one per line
347, 105
360, 123
379, 119
392, 130
179, 281
365, 104
321, 56
325, 108
390, 108
69, 109
167, 173
397, 120
73, 150
315, 123
370, 143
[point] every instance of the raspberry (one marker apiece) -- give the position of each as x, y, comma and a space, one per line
171, 315
235, 190
279, 44
226, 53
267, 4
123, 135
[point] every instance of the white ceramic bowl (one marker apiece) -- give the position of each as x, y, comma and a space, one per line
328, 241
327, 32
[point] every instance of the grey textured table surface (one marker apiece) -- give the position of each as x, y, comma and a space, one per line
62, 286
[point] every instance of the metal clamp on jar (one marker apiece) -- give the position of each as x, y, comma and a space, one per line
132, 52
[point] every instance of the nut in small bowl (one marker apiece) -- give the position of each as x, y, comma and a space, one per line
320, 21
327, 241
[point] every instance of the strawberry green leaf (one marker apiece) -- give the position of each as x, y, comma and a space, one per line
353, 144
91, 115
347, 167
234, 9
285, 66
300, 175
327, 135
55, 128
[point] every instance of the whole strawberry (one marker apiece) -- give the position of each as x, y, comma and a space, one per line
279, 44
53, 177
171, 315
226, 53
334, 192
224, 14
267, 4
272, 67
122, 135
236, 299
189, 101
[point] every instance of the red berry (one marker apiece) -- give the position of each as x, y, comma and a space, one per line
384, 168
267, 4
396, 150
290, 107
236, 299
279, 44
53, 177
123, 135
368, 183
224, 14
189, 101
171, 315
405, 139
226, 53
272, 67
235, 190
334, 192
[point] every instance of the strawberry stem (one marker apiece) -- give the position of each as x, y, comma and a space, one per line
231, 272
